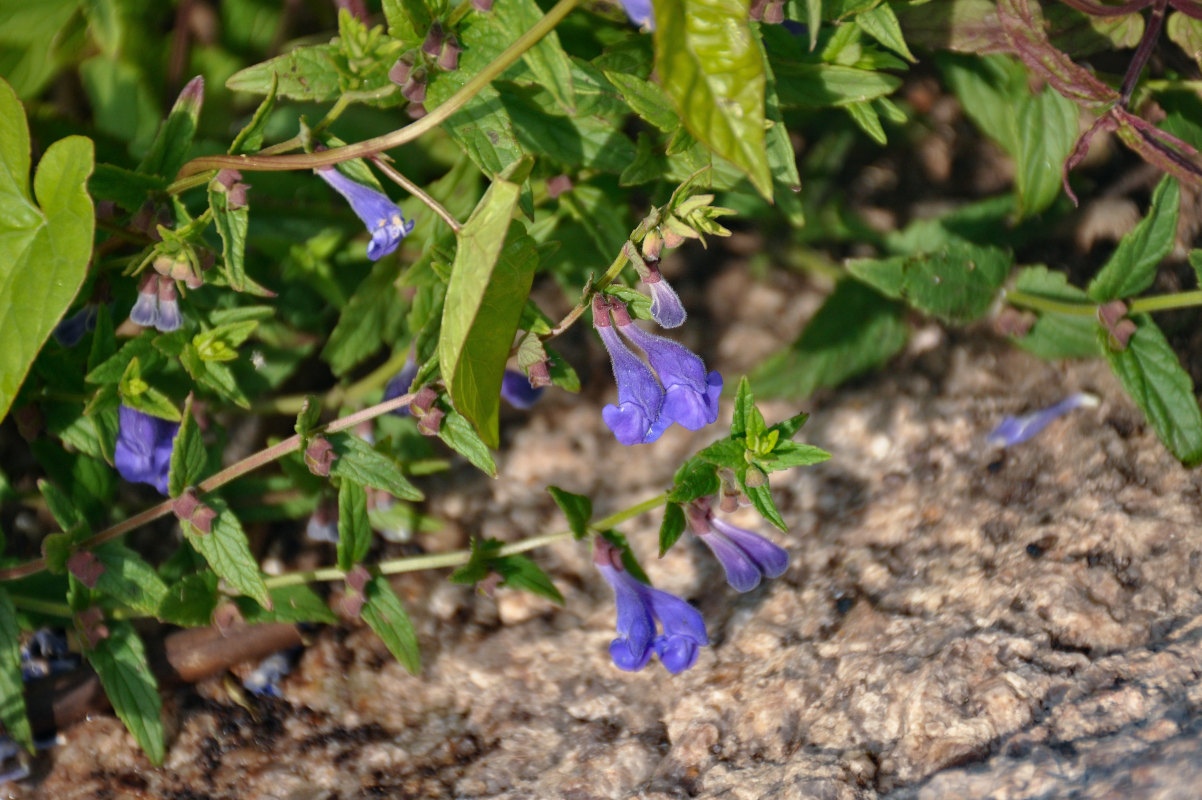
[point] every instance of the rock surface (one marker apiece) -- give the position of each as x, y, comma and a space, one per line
957, 621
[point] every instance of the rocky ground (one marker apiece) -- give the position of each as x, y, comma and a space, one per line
957, 621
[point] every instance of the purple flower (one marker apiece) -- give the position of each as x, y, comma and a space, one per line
666, 308
1016, 430
640, 13
746, 557
640, 396
71, 330
46, 653
264, 681
144, 443
639, 607
322, 525
157, 305
383, 219
400, 384
517, 391
690, 394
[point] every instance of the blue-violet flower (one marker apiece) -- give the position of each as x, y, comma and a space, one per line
400, 384
640, 12
639, 607
157, 305
640, 397
144, 444
745, 556
666, 308
1016, 430
517, 391
382, 217
71, 330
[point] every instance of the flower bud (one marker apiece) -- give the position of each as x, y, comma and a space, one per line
483, 6
399, 74
653, 245
319, 455
448, 59
432, 46
414, 89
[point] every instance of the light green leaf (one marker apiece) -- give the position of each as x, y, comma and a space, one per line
831, 349
354, 531
120, 662
306, 73
384, 614
461, 437
129, 579
989, 88
546, 59
710, 66
761, 498
1047, 131
519, 572
357, 461
1132, 267
956, 282
12, 688
231, 224
577, 509
44, 247
1152, 375
865, 116
1057, 335
297, 603
881, 24
646, 99
188, 457
490, 281
227, 550
250, 138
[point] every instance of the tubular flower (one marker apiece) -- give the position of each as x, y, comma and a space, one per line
639, 608
1016, 430
746, 557
144, 444
383, 219
640, 396
666, 308
400, 384
157, 305
640, 13
517, 391
690, 394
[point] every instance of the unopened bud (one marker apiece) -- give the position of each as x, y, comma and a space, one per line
189, 508
1120, 334
86, 567
538, 374
414, 89
431, 422
671, 238
399, 74
653, 245
416, 110
432, 46
755, 477
319, 455
448, 59
423, 401
482, 5
774, 14
558, 185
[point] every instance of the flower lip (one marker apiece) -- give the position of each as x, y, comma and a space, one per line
745, 556
640, 13
144, 445
517, 391
640, 396
383, 218
690, 393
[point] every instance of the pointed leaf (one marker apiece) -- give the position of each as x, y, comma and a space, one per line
354, 531
120, 662
227, 550
12, 688
671, 528
578, 509
359, 462
1132, 267
384, 614
188, 457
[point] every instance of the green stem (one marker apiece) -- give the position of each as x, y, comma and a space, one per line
1165, 302
39, 606
1033, 301
396, 138
458, 558
248, 464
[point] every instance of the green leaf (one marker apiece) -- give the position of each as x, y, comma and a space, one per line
461, 437
782, 159
227, 550
44, 247
881, 24
213, 374
646, 99
830, 350
137, 393
577, 508
308, 419
710, 66
127, 188
297, 603
761, 498
407, 19
191, 600
68, 516
365, 318
171, 144
744, 404
790, 454
823, 85
956, 283
519, 572
490, 281
671, 528
1152, 375
354, 531
231, 224
988, 88
1186, 33
188, 456
129, 579
306, 73
1132, 266
1056, 335
479, 563
1047, 131
546, 59
12, 687
120, 662
359, 462
250, 138
384, 614
698, 476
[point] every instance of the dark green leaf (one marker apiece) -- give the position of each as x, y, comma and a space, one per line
823, 85
881, 24
1152, 375
461, 437
364, 318
12, 689
546, 59
710, 66
1132, 266
956, 283
519, 572
789, 454
125, 674
250, 138
354, 532
698, 477
479, 564
761, 498
744, 403
724, 453
671, 528
490, 281
188, 456
191, 600
577, 508
68, 516
227, 550
1047, 131
384, 614
357, 461
1057, 335
788, 428
830, 350
44, 247
129, 579
127, 188
296, 603
782, 160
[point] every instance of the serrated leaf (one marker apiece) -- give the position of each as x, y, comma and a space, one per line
1132, 267
129, 579
227, 551
12, 688
309, 417
1056, 335
577, 508
306, 73
354, 531
490, 281
364, 319
359, 462
761, 498
646, 99
710, 66
384, 614
698, 477
120, 662
671, 528
190, 601
44, 247
461, 437
112, 368
881, 24
1047, 131
250, 138
830, 350
546, 59
790, 454
1152, 375
956, 282
519, 572
823, 85
188, 456
232, 224
297, 603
